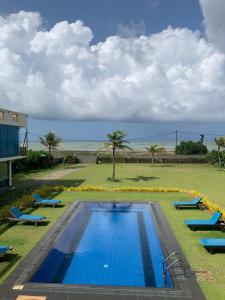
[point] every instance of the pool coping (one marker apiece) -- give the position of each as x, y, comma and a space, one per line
17, 282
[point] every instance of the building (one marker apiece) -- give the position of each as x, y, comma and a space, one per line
12, 145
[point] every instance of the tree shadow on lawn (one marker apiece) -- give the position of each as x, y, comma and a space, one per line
142, 178
158, 165
28, 186
113, 180
7, 262
165, 165
5, 226
78, 166
33, 183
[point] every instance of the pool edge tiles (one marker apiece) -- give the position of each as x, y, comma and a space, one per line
184, 288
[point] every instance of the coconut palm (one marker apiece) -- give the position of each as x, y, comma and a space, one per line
154, 149
50, 141
220, 142
160, 151
116, 142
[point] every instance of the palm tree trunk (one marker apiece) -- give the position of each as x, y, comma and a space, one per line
114, 164
152, 159
219, 159
49, 157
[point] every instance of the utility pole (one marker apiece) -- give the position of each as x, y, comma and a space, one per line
25, 143
176, 132
201, 141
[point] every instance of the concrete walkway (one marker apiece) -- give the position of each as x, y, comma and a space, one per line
58, 174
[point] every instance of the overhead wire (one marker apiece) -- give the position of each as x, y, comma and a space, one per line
132, 139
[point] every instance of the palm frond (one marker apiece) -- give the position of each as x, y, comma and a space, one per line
50, 140
117, 141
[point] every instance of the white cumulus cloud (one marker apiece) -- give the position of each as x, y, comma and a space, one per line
214, 21
173, 75
131, 30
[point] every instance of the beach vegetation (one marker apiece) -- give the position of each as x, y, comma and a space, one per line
51, 141
34, 160
220, 142
191, 148
155, 149
217, 158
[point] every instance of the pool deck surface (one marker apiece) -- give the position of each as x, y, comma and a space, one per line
17, 284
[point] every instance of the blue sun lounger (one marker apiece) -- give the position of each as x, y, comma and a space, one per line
18, 216
196, 203
213, 244
4, 250
38, 200
212, 223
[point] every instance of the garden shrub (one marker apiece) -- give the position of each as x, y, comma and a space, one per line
34, 160
190, 148
72, 159
213, 157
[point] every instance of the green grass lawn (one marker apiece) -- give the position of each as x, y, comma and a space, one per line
203, 178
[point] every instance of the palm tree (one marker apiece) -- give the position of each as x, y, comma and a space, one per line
154, 149
115, 143
50, 141
160, 151
220, 142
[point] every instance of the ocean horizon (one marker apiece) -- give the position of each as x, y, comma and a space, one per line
100, 146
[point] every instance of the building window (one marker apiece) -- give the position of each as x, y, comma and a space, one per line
15, 117
1, 115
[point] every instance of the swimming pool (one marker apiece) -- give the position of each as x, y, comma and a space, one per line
107, 244
104, 251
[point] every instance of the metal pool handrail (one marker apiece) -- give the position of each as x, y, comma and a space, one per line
165, 270
172, 254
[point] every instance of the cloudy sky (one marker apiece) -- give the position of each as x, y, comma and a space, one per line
146, 66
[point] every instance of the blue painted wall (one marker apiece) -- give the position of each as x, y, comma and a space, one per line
9, 141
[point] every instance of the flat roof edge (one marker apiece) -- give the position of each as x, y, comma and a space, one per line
13, 111
5, 159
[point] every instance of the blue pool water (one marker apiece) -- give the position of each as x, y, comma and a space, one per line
106, 244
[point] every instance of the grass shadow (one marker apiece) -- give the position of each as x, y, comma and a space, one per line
34, 183
159, 165
5, 226
7, 262
142, 178
78, 166
165, 165
113, 180
45, 223
28, 186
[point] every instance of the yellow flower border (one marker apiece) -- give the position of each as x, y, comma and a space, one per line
91, 188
